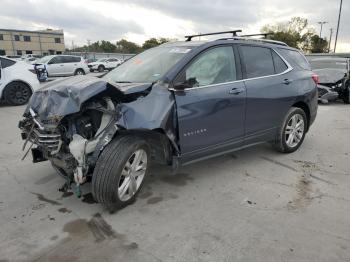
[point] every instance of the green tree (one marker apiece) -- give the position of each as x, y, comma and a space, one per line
153, 42
296, 33
319, 45
127, 47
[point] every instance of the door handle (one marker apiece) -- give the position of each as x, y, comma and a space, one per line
287, 81
236, 91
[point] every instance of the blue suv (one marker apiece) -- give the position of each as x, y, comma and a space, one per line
174, 104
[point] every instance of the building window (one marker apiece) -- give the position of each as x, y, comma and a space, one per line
26, 38
28, 52
19, 52
58, 53
16, 37
1, 37
57, 40
2, 52
45, 54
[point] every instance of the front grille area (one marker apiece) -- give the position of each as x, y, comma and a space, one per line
49, 141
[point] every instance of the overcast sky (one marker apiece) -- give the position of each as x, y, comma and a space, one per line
138, 20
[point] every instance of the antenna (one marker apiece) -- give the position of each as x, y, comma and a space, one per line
233, 32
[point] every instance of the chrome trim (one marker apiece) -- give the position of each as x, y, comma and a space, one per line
289, 68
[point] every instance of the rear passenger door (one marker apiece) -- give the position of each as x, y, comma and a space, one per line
70, 64
55, 66
269, 94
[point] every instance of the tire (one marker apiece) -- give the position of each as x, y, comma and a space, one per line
92, 70
112, 173
79, 72
286, 144
17, 93
101, 68
346, 97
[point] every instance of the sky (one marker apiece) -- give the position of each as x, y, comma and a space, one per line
138, 20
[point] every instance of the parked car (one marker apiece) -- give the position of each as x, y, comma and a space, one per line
104, 64
26, 56
17, 81
14, 57
334, 78
174, 104
63, 65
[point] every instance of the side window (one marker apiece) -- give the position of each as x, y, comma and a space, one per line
56, 60
75, 59
280, 65
6, 62
296, 57
258, 61
214, 66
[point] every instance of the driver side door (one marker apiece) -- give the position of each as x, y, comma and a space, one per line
211, 107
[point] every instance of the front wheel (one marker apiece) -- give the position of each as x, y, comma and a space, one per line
120, 172
79, 72
292, 132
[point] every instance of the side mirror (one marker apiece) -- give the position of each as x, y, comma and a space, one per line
189, 83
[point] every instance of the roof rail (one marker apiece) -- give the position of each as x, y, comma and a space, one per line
255, 40
262, 34
233, 32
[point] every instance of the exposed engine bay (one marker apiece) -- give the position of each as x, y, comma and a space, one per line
71, 125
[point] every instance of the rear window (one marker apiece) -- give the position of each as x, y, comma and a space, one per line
258, 61
280, 65
296, 57
6, 62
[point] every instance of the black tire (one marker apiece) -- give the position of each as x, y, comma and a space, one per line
79, 72
280, 142
106, 177
92, 70
346, 97
101, 68
17, 93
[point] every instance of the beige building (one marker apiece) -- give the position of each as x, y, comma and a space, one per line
21, 42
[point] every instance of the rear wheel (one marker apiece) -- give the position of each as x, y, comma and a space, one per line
79, 72
101, 68
292, 133
17, 93
120, 172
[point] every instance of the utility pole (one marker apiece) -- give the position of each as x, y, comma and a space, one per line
88, 42
321, 23
336, 35
330, 39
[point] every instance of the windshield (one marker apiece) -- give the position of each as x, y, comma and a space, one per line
44, 59
322, 64
148, 66
101, 60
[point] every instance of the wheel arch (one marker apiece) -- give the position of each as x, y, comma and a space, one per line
161, 146
16, 80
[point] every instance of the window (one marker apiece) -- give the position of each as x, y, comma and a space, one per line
57, 40
56, 60
2, 52
214, 66
296, 57
6, 62
19, 52
258, 61
28, 52
76, 59
58, 53
1, 37
16, 37
26, 38
280, 65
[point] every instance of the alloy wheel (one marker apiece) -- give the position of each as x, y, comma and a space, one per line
132, 175
294, 130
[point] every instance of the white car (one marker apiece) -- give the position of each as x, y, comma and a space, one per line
63, 65
104, 63
18, 81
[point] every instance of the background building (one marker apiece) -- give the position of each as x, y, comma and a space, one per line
41, 42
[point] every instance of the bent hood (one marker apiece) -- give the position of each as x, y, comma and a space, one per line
329, 75
63, 97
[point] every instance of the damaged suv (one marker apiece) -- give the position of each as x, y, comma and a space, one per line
174, 104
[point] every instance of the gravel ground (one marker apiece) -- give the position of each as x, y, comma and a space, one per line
253, 205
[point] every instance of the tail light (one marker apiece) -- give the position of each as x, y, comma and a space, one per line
316, 79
